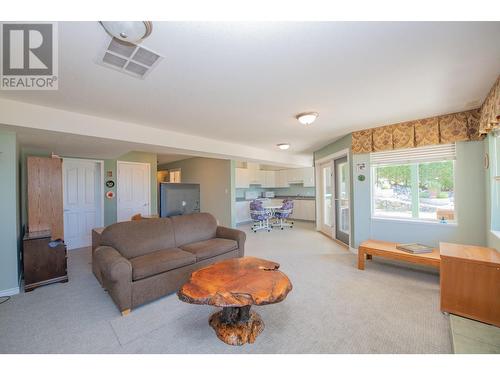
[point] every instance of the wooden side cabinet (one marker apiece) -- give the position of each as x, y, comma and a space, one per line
470, 282
44, 260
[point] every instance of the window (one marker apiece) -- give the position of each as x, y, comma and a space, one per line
415, 184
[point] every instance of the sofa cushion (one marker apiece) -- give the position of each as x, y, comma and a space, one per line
160, 261
210, 248
140, 237
193, 228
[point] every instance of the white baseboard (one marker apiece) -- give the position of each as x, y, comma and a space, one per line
9, 292
353, 250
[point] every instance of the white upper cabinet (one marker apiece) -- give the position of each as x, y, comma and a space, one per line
282, 178
269, 179
242, 178
274, 179
294, 176
256, 177
303, 176
308, 177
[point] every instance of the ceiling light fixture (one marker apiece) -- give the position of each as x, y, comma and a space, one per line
307, 118
128, 31
283, 146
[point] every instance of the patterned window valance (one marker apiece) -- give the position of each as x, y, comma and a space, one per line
450, 128
490, 110
454, 127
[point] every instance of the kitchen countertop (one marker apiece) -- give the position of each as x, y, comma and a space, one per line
293, 197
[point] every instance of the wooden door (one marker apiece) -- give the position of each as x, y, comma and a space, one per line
45, 198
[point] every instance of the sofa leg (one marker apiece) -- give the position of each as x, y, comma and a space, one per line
125, 312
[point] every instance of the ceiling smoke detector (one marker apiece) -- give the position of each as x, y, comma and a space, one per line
128, 31
129, 58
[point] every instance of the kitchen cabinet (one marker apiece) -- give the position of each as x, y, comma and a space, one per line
303, 176
308, 177
269, 179
282, 178
304, 209
241, 178
255, 175
274, 179
294, 176
243, 212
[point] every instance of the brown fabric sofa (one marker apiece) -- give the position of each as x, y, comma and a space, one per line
139, 261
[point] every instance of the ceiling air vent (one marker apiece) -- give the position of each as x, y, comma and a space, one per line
129, 58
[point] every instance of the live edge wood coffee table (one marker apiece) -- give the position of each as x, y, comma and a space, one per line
236, 285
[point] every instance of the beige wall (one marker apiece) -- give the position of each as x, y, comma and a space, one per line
214, 177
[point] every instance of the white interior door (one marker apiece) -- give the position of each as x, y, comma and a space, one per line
133, 190
83, 201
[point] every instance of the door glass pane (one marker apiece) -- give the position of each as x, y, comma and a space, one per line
327, 196
343, 198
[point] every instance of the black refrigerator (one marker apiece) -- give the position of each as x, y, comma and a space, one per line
179, 199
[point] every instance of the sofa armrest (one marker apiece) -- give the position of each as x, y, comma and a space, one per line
116, 272
114, 267
233, 234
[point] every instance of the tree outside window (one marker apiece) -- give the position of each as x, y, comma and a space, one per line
415, 191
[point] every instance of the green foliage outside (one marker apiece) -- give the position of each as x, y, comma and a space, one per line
436, 177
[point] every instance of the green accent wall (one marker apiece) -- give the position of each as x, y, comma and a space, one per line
9, 213
334, 147
109, 204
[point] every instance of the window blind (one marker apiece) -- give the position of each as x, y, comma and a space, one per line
414, 155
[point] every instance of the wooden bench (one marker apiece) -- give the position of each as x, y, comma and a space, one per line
388, 250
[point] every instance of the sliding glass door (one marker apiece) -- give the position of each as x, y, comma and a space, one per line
326, 200
334, 204
341, 193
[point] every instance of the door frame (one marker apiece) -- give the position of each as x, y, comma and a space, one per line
101, 185
118, 162
319, 212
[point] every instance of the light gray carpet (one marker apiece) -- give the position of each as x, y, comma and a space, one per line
333, 308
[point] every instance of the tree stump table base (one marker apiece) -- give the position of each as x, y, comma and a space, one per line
236, 325
236, 285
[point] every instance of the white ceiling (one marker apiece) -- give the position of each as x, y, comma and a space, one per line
244, 82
